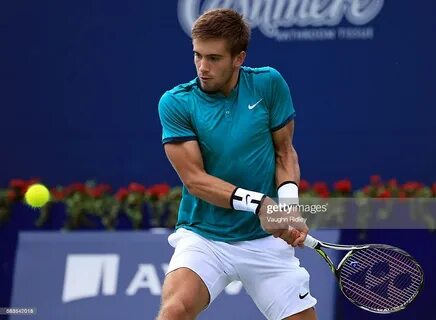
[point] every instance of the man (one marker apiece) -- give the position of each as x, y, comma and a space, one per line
228, 134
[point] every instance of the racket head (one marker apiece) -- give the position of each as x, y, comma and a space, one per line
380, 278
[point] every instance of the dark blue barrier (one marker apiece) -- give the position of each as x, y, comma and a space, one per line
113, 275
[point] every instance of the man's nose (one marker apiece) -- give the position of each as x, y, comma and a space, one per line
203, 66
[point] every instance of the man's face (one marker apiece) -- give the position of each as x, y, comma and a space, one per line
215, 65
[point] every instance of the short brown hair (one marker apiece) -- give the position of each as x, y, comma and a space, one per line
223, 24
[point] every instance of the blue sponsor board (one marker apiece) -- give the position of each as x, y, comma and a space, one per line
92, 275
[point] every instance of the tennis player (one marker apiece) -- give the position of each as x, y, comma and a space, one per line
228, 134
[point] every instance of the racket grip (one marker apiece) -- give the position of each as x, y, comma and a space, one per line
310, 241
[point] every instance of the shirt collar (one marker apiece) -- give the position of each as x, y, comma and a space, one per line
218, 95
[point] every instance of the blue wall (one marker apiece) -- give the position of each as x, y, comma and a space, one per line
80, 82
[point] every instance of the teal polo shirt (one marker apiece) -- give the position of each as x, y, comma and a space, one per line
234, 134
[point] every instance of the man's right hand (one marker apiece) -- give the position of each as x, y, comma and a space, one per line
289, 226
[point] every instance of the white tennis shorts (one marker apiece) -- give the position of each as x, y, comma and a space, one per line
267, 268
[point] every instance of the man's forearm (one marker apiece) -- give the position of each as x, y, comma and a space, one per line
211, 189
287, 167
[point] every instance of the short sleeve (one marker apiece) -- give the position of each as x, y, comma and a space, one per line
281, 109
175, 120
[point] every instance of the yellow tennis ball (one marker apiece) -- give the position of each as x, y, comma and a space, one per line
37, 195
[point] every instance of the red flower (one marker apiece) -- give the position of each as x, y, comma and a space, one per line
384, 194
32, 181
94, 192
433, 188
375, 180
75, 187
367, 190
136, 187
159, 190
402, 195
303, 186
393, 183
122, 194
411, 187
57, 194
324, 194
99, 190
11, 195
343, 186
321, 188
21, 185
104, 187
17, 184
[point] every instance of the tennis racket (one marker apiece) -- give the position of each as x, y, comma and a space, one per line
375, 277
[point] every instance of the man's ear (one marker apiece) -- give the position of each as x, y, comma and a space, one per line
239, 59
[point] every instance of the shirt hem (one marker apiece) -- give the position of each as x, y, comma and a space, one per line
178, 139
284, 123
210, 236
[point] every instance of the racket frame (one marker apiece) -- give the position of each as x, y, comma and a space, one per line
318, 245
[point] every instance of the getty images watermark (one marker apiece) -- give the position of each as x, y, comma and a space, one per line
352, 213
303, 208
291, 212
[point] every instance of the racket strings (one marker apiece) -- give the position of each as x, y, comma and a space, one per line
394, 273
408, 266
412, 287
400, 296
380, 279
365, 291
405, 269
394, 255
376, 302
374, 281
395, 293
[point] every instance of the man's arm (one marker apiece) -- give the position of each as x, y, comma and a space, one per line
287, 167
186, 159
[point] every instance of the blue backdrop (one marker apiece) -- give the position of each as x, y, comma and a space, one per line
80, 82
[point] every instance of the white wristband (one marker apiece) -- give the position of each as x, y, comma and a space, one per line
246, 200
288, 193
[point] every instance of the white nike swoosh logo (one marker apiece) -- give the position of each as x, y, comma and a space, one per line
251, 106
